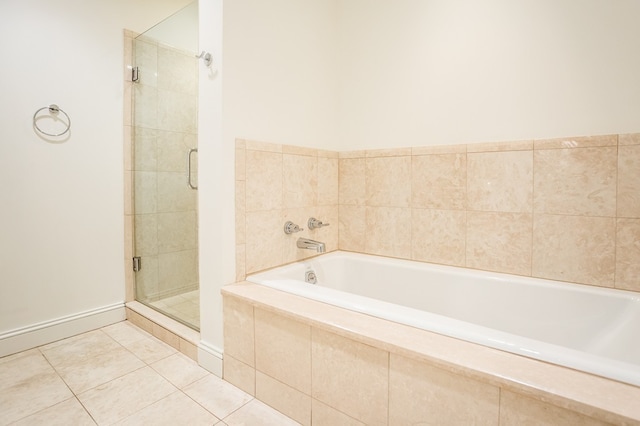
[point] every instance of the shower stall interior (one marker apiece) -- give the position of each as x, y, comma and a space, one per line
165, 99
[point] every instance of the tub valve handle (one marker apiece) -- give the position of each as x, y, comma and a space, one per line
290, 228
314, 223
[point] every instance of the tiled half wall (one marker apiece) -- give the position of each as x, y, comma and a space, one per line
566, 209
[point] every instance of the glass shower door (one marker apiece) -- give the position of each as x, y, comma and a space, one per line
165, 177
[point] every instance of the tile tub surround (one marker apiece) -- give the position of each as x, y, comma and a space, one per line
275, 184
320, 364
566, 209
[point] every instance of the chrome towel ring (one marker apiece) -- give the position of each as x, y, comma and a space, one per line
53, 110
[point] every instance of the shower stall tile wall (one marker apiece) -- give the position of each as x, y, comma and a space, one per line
566, 209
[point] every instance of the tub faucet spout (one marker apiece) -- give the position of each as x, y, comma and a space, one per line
305, 243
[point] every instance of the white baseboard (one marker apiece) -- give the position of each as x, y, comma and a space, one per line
59, 328
210, 358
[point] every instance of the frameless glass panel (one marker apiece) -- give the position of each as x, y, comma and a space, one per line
165, 139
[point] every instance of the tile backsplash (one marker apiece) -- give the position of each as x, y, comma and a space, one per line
566, 209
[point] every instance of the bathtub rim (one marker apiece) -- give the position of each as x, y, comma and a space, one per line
594, 396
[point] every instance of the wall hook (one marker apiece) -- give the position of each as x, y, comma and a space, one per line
206, 57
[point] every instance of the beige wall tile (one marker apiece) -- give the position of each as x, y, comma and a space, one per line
394, 152
166, 336
328, 181
500, 146
172, 148
177, 271
361, 389
241, 262
264, 181
241, 212
574, 248
283, 398
388, 181
500, 181
189, 349
265, 240
323, 153
139, 320
628, 254
128, 148
177, 231
439, 149
177, 111
327, 234
173, 193
421, 394
352, 227
629, 181
239, 374
290, 250
238, 330
283, 350
516, 410
575, 181
352, 181
240, 144
146, 192
576, 142
145, 147
300, 181
629, 139
352, 154
323, 415
146, 280
388, 231
128, 192
439, 181
146, 235
439, 236
299, 150
499, 242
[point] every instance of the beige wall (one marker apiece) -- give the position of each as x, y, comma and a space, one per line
564, 209
61, 222
440, 72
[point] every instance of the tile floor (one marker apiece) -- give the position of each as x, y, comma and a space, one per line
185, 306
120, 375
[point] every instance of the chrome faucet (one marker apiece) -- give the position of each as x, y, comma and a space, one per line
305, 243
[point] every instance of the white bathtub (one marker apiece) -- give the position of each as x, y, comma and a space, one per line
586, 328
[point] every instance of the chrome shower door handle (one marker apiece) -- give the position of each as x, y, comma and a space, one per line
189, 152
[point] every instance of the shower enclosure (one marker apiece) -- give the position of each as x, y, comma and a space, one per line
165, 167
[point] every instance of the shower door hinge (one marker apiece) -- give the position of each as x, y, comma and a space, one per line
137, 264
135, 74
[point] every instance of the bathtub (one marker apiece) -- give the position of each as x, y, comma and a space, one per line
586, 328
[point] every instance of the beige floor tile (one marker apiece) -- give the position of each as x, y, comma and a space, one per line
175, 409
125, 333
256, 413
122, 397
217, 396
23, 366
151, 349
28, 385
179, 370
69, 412
99, 369
78, 348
